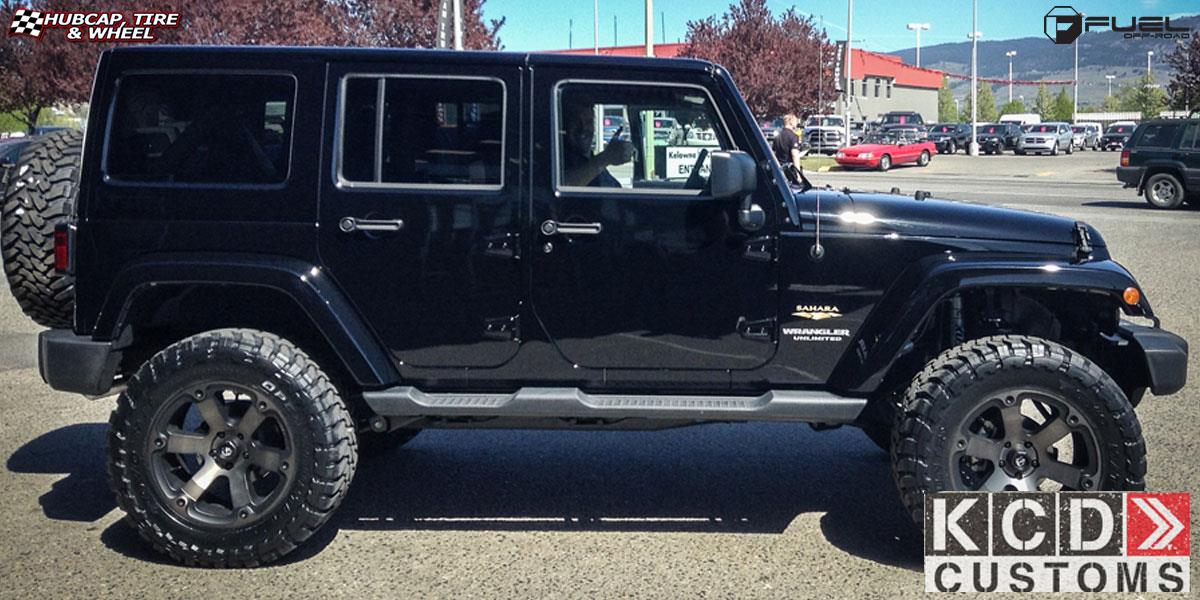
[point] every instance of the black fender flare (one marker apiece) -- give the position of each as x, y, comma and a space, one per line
314, 290
919, 289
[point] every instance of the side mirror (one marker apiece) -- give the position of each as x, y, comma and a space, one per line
733, 174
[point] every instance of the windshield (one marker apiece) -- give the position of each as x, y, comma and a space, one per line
942, 129
901, 118
824, 122
1119, 129
1043, 129
991, 129
1079, 129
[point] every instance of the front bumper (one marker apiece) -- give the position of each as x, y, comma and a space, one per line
854, 161
1165, 353
77, 363
1130, 176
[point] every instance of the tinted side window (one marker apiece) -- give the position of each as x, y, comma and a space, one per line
1158, 135
202, 128
1191, 137
429, 131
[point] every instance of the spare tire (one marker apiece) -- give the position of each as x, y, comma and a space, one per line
40, 194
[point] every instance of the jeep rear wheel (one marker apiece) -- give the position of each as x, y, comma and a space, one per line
1164, 190
230, 448
1015, 413
41, 194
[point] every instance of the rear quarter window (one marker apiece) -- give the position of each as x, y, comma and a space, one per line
201, 128
1157, 135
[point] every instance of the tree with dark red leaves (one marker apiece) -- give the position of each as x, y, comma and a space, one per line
777, 61
1185, 83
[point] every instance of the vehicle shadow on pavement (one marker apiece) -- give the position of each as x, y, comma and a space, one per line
1136, 203
76, 451
725, 478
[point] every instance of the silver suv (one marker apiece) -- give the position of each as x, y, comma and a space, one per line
1046, 137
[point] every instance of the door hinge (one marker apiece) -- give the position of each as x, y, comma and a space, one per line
762, 330
502, 328
759, 248
502, 245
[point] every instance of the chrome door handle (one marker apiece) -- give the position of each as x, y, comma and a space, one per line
351, 224
551, 227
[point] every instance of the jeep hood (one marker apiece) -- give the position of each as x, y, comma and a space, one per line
904, 215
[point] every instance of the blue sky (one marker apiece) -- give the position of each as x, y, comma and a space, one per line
878, 24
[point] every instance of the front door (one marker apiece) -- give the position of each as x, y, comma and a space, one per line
419, 210
635, 266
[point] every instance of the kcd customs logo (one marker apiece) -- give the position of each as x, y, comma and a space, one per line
1064, 24
1057, 542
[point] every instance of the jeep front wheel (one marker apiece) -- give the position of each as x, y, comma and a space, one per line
1015, 413
230, 448
40, 195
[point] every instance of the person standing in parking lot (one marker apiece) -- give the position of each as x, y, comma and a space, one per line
787, 144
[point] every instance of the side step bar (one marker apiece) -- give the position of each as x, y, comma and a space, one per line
573, 403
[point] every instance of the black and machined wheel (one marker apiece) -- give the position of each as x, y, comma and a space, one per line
885, 162
923, 160
1014, 413
229, 449
1164, 190
40, 194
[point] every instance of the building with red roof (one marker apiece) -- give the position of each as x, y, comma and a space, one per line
881, 82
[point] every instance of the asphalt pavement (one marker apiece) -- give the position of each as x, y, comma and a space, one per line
745, 510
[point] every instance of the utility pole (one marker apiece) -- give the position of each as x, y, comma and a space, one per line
918, 27
849, 63
1075, 87
973, 145
1010, 54
649, 27
662, 24
458, 25
1149, 55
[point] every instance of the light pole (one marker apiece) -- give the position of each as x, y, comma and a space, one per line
973, 145
1149, 55
1110, 78
918, 27
849, 63
1075, 86
1010, 54
650, 28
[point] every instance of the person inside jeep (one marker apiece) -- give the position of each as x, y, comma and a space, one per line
582, 168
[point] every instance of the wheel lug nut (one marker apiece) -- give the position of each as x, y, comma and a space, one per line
1008, 444
159, 443
962, 443
181, 503
1035, 463
1002, 463
243, 514
245, 455
283, 466
262, 406
1028, 444
221, 434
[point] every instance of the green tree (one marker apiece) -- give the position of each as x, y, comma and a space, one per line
1146, 97
1044, 104
947, 113
987, 103
1111, 103
1063, 109
1012, 107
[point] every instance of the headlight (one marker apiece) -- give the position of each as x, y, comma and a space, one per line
866, 155
841, 155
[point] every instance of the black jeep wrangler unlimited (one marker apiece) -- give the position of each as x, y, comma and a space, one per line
281, 258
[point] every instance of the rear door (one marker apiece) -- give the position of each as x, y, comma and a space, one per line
418, 217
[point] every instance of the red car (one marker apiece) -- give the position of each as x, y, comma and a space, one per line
885, 148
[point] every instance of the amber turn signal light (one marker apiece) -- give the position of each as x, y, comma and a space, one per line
1132, 296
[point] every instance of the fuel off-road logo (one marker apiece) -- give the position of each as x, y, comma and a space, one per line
1064, 24
93, 26
1057, 542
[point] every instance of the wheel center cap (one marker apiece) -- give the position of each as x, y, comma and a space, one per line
226, 453
1020, 462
